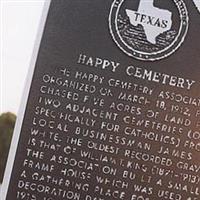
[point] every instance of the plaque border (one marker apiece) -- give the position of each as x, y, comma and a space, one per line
23, 104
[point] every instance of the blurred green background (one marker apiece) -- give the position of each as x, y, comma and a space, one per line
7, 123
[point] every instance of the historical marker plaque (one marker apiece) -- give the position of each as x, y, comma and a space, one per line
113, 110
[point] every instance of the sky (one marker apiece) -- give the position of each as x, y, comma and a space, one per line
19, 25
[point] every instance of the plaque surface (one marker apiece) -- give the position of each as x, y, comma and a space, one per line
113, 107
